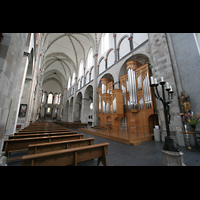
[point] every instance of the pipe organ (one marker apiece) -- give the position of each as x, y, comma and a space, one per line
110, 103
133, 100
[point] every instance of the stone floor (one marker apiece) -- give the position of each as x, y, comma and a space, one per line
146, 154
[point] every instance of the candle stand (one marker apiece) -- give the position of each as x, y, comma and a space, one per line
169, 144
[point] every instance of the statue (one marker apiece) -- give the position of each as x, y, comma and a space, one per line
185, 103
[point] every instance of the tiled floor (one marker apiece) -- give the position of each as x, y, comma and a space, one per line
146, 154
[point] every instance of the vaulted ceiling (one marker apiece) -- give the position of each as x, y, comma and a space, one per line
64, 51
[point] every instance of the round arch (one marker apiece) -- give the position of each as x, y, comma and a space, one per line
107, 75
139, 57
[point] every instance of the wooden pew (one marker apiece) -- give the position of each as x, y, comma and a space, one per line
72, 124
42, 127
53, 146
37, 132
68, 156
42, 131
22, 144
41, 135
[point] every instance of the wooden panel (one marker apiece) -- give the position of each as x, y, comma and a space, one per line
16, 144
53, 146
40, 135
66, 157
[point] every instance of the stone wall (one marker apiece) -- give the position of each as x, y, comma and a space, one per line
162, 66
188, 63
11, 53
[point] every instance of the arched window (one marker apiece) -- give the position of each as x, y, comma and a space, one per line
104, 43
92, 74
139, 38
50, 98
81, 69
124, 47
44, 97
87, 77
56, 99
48, 110
82, 82
73, 78
79, 84
89, 59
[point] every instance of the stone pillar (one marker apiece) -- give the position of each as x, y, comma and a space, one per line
84, 110
162, 66
95, 91
3, 159
117, 51
74, 100
131, 42
115, 44
70, 116
106, 63
171, 158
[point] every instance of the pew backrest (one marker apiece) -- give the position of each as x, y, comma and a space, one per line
47, 131
53, 146
40, 135
17, 144
68, 156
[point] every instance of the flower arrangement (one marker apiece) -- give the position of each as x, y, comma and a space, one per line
190, 118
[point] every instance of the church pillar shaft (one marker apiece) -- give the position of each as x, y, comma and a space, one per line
95, 91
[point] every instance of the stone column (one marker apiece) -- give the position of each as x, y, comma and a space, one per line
131, 42
115, 44
84, 110
74, 100
95, 91
162, 66
106, 63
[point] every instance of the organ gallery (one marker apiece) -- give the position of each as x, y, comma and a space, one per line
133, 102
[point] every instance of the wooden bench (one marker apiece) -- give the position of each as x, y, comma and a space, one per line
53, 146
42, 131
72, 124
68, 156
41, 135
22, 144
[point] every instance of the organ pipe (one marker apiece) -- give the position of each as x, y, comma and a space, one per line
99, 103
127, 87
114, 105
147, 93
129, 82
132, 88
103, 88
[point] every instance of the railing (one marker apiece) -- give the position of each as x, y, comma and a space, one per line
128, 133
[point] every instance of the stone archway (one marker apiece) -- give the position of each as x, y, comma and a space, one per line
87, 115
70, 116
78, 108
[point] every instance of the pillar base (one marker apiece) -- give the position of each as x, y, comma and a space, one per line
172, 158
3, 159
170, 145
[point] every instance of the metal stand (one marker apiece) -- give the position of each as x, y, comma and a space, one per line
169, 144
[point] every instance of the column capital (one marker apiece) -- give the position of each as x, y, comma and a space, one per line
130, 38
95, 55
